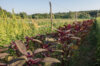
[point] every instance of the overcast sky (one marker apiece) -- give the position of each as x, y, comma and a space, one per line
42, 6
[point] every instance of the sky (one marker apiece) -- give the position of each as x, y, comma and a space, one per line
42, 6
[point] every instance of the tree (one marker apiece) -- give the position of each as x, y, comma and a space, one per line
84, 15
23, 15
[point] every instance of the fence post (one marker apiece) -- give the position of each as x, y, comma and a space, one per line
51, 15
75, 16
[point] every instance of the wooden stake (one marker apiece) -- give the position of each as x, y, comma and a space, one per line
75, 16
51, 16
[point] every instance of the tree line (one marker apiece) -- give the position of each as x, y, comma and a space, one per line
65, 15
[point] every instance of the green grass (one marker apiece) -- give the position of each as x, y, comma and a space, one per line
98, 41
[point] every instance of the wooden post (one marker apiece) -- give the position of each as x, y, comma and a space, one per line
75, 16
97, 13
51, 16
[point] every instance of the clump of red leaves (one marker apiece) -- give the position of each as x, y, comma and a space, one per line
70, 36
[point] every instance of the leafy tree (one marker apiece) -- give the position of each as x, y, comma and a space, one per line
64, 15
23, 15
84, 15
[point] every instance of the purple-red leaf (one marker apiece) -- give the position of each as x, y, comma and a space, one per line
38, 41
3, 64
58, 50
17, 62
21, 46
76, 38
3, 55
40, 50
50, 60
3, 49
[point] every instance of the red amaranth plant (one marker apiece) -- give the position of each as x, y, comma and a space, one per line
28, 56
70, 36
3, 54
